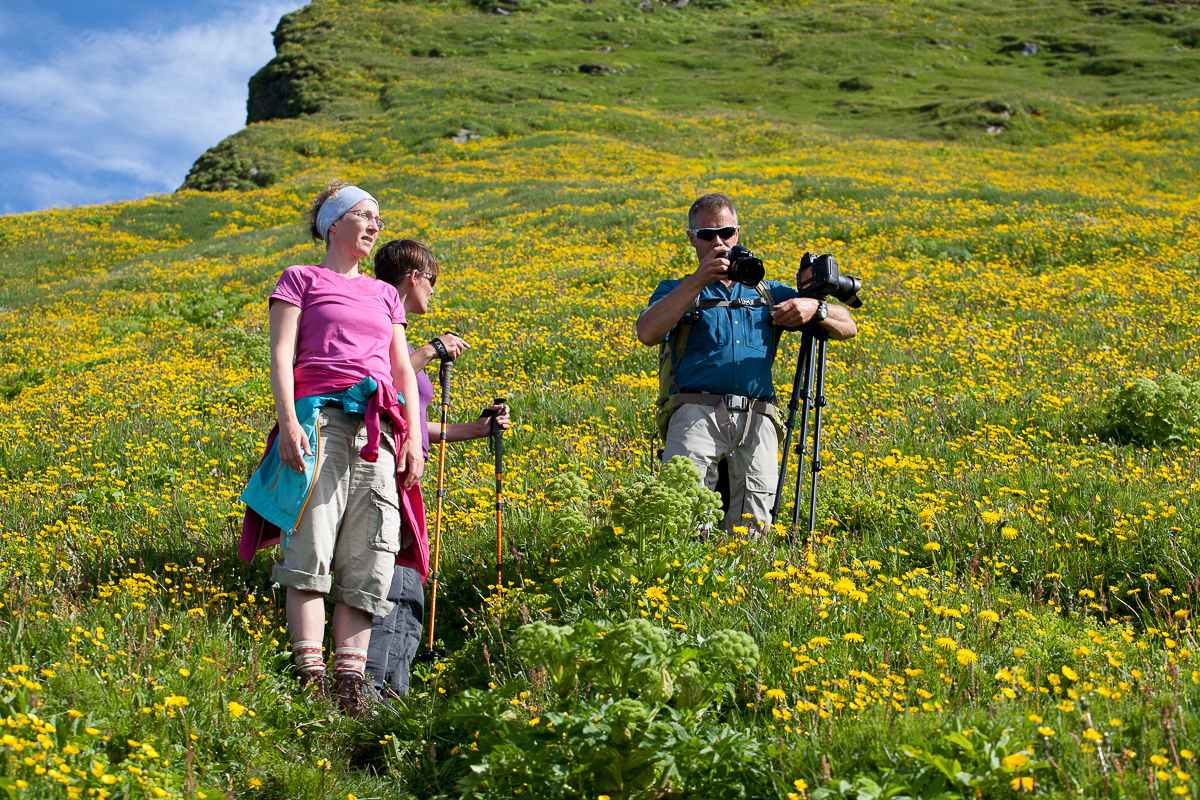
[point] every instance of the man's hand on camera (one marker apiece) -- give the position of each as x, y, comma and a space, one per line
795, 312
713, 267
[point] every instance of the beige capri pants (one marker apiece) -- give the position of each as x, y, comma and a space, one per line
348, 536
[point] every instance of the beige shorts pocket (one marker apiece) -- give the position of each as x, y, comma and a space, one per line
386, 536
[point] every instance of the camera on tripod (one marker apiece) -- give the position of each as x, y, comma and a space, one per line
826, 281
823, 281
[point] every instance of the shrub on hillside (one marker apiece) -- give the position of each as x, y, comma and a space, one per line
1152, 412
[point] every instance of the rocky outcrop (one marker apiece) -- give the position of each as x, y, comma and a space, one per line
288, 86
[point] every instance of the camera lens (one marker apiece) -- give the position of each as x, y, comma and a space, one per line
847, 290
744, 267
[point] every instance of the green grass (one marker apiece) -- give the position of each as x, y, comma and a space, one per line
1012, 279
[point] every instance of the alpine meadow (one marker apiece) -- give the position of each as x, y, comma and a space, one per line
999, 598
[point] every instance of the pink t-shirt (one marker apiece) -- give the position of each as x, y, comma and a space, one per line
345, 323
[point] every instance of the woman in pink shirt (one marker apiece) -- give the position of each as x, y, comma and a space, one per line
335, 334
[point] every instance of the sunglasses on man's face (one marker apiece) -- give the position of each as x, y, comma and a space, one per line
708, 234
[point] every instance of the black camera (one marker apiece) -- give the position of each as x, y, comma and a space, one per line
825, 280
745, 267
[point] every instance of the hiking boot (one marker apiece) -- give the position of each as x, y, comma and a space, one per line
353, 695
317, 684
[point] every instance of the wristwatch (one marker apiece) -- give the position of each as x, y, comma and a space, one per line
822, 312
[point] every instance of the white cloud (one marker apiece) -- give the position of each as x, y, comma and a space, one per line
129, 108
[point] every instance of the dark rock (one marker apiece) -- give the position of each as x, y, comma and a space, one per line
593, 69
854, 85
1029, 48
285, 87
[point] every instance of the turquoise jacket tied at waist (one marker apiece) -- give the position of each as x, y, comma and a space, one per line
278, 492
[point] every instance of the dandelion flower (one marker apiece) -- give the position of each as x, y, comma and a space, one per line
1015, 761
966, 656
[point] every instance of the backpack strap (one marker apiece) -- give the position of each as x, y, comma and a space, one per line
764, 292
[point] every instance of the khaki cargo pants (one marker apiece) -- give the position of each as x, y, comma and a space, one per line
348, 536
753, 463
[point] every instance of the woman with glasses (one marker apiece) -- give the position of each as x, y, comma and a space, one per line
412, 268
340, 478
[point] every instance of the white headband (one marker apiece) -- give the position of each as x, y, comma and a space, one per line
333, 208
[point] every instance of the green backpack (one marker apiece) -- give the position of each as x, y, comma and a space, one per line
671, 350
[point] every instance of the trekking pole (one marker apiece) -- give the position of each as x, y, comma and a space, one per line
429, 653
497, 434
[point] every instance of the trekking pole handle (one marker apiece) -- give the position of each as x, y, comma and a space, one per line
495, 431
444, 380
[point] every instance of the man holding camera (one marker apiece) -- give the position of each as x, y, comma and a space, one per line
722, 327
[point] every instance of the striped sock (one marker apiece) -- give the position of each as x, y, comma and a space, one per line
349, 660
309, 658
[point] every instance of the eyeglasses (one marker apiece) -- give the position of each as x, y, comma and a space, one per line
367, 216
708, 234
429, 276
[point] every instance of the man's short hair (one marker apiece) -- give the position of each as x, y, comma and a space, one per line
712, 203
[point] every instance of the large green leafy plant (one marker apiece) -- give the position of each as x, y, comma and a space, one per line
1153, 412
623, 710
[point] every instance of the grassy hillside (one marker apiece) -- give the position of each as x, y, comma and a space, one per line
1017, 73
999, 601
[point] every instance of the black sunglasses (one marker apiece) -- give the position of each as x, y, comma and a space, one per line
708, 234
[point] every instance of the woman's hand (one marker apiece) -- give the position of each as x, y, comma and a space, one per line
455, 345
484, 422
426, 354
410, 461
293, 444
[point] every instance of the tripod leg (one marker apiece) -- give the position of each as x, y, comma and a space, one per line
793, 404
801, 440
816, 452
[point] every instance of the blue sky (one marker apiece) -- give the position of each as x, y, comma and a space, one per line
104, 101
